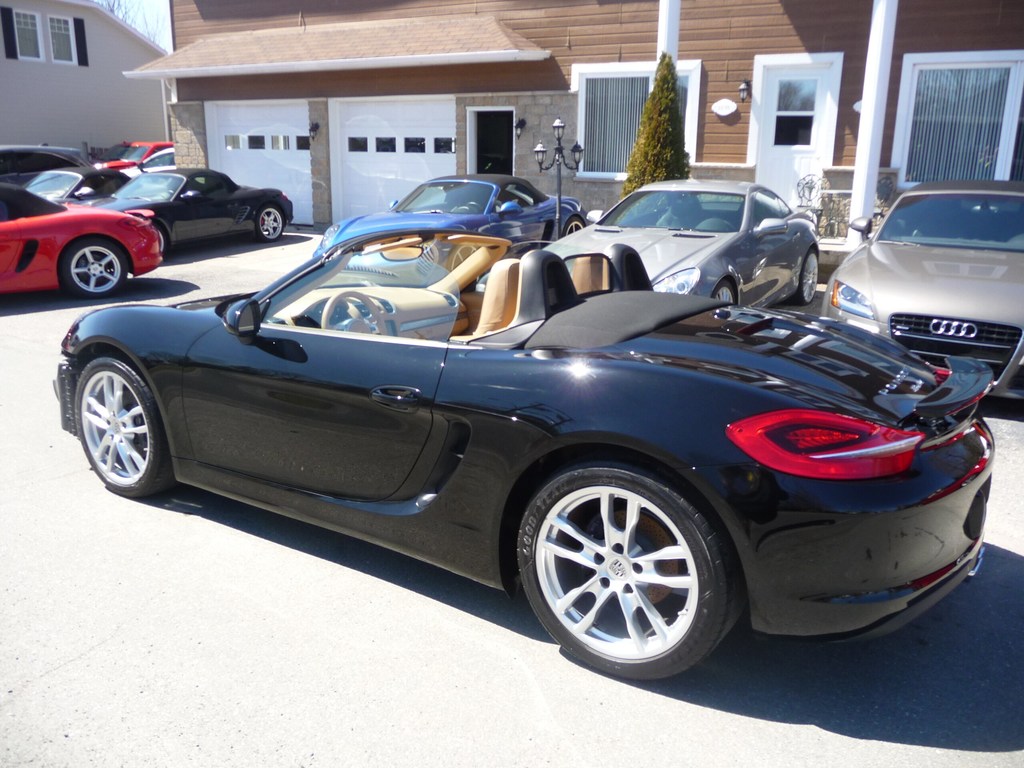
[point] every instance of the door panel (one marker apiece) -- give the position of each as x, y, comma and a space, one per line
311, 409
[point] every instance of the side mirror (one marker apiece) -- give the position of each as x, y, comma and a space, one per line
242, 319
864, 225
594, 216
84, 192
771, 227
193, 195
510, 208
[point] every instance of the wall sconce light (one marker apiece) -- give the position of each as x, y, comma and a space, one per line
520, 124
744, 90
314, 129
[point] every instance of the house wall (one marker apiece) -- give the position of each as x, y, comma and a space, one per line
69, 105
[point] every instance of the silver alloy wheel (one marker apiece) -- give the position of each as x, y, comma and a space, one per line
809, 277
626, 587
724, 292
95, 269
114, 428
575, 224
271, 223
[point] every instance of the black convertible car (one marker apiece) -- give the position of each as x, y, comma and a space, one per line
195, 204
647, 466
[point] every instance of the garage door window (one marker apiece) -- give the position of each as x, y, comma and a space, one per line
358, 144
386, 144
257, 142
232, 141
280, 142
415, 145
445, 146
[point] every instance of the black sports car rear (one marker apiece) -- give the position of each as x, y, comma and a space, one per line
647, 466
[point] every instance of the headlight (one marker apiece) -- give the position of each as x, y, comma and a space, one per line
850, 300
329, 236
679, 282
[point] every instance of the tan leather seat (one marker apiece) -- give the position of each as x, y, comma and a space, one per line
500, 301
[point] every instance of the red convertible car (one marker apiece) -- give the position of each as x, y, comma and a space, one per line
87, 252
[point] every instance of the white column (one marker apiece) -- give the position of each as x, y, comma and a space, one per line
668, 29
872, 112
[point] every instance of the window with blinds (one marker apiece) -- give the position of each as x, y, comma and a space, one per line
966, 122
61, 40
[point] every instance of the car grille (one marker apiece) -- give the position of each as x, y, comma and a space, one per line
935, 338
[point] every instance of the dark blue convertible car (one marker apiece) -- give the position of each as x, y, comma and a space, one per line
493, 204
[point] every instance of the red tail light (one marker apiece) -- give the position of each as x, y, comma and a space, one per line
826, 446
941, 374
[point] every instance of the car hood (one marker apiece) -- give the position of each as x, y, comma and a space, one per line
920, 280
663, 251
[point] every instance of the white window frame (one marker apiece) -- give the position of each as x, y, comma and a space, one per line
914, 63
71, 38
39, 38
581, 73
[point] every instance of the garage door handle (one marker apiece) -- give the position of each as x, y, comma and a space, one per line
400, 398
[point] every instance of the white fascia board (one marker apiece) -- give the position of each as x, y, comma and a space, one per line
334, 65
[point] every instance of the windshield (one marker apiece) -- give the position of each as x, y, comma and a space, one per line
53, 184
158, 187
679, 209
116, 152
960, 220
409, 286
448, 197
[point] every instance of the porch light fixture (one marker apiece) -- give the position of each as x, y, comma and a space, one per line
744, 90
558, 159
314, 129
520, 124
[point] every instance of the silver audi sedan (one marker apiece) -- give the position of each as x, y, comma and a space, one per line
944, 276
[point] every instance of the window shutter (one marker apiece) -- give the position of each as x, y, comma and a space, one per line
10, 38
80, 48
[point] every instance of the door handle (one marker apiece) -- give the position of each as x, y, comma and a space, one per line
405, 399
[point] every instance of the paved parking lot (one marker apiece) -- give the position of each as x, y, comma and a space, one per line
190, 630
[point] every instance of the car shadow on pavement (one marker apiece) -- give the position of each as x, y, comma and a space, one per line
952, 679
138, 289
234, 245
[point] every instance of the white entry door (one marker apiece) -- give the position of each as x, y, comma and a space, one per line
793, 127
264, 145
384, 148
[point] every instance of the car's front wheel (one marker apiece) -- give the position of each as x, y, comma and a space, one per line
808, 279
93, 267
573, 224
119, 427
269, 223
625, 573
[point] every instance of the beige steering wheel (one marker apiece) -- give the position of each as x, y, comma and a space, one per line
370, 321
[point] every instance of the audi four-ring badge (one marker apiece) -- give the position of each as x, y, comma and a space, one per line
942, 274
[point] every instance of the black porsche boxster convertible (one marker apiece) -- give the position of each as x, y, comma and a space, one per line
646, 466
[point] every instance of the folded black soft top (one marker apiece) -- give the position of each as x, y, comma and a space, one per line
610, 318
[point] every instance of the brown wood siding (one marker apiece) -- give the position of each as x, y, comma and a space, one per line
724, 34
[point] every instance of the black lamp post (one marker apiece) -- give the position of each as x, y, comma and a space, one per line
557, 161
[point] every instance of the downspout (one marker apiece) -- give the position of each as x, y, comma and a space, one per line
872, 113
668, 29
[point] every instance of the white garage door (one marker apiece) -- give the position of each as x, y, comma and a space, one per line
264, 145
385, 148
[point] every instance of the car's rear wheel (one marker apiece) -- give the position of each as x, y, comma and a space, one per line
808, 279
269, 223
725, 291
93, 267
120, 429
625, 573
164, 235
573, 224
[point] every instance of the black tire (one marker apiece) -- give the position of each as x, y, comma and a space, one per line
119, 426
808, 282
725, 290
165, 236
269, 223
573, 224
572, 562
93, 267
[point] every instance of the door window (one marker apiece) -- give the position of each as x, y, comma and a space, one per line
794, 117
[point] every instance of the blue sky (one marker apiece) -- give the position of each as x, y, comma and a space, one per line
156, 15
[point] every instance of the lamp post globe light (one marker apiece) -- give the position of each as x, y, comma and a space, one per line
558, 159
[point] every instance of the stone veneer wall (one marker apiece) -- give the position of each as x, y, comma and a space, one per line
320, 164
188, 132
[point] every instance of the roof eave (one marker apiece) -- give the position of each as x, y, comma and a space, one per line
334, 65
